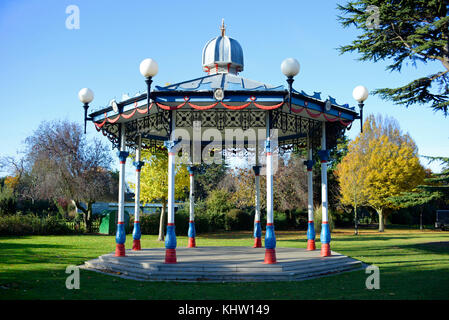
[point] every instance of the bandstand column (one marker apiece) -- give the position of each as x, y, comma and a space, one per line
120, 236
191, 233
270, 239
170, 238
325, 236
136, 232
257, 227
310, 225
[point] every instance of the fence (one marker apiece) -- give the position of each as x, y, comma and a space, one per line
81, 226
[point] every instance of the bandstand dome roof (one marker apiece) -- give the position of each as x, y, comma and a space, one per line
222, 54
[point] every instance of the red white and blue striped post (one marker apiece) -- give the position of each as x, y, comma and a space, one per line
270, 239
136, 231
120, 236
170, 237
325, 236
310, 225
191, 232
257, 227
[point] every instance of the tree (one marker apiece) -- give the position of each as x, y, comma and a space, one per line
351, 173
240, 184
436, 188
63, 164
207, 177
154, 182
290, 185
388, 164
401, 32
417, 198
438, 182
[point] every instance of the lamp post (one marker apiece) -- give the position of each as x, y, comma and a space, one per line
86, 96
290, 68
360, 94
148, 69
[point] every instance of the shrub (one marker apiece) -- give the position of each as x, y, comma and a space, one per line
217, 205
301, 219
7, 201
38, 207
149, 223
7, 205
219, 202
33, 225
317, 214
280, 220
237, 219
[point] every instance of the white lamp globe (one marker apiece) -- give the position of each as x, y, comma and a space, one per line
148, 68
360, 93
86, 95
290, 67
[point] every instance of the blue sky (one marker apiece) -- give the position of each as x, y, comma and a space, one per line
44, 65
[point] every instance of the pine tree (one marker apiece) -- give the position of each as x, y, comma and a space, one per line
401, 32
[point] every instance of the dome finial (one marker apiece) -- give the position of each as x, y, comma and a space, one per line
222, 28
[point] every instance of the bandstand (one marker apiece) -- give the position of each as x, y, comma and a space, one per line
204, 116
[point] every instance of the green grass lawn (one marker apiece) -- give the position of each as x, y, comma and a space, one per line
413, 265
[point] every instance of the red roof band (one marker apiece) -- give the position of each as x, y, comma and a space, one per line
230, 107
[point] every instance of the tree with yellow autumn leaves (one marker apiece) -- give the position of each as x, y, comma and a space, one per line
381, 163
154, 182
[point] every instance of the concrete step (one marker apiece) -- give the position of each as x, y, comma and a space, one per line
320, 264
348, 267
180, 268
145, 274
117, 269
216, 267
217, 264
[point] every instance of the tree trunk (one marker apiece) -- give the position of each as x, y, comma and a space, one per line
356, 228
381, 220
162, 221
420, 219
89, 217
85, 213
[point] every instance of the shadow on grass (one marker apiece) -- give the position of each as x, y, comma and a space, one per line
396, 282
429, 247
35, 253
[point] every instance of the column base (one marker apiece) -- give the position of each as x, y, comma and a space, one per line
325, 250
192, 243
311, 245
170, 256
270, 256
257, 242
120, 250
136, 245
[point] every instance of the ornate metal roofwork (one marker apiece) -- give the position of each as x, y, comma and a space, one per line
244, 105
225, 101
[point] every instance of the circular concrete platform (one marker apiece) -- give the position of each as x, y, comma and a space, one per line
220, 264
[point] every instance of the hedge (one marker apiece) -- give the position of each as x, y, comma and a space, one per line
33, 225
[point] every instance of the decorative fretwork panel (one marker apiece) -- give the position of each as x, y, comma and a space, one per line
257, 118
209, 119
233, 119
183, 119
156, 126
